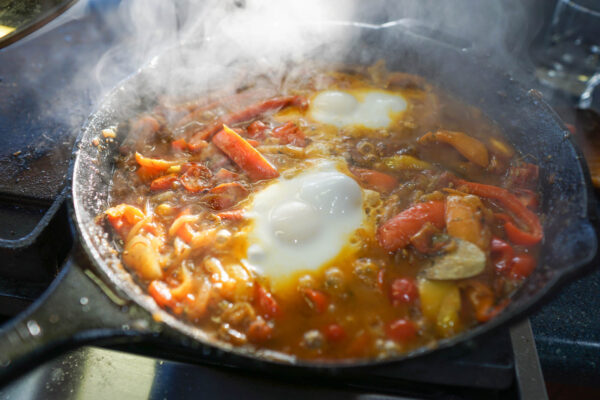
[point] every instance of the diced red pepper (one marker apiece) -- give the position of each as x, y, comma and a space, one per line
395, 234
244, 155
403, 290
334, 333
316, 299
402, 330
259, 331
265, 303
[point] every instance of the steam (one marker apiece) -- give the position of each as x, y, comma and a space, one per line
201, 45
220, 37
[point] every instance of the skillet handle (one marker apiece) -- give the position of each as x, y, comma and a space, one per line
73, 311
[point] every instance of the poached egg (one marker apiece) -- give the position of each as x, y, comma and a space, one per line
299, 224
370, 108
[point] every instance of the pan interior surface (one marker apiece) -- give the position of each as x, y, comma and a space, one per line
528, 123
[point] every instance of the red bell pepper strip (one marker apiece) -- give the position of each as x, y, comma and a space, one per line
502, 254
163, 183
244, 155
514, 205
153, 163
395, 234
251, 112
375, 180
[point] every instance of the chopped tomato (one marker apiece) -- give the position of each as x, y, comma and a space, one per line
522, 266
395, 234
164, 182
289, 133
316, 299
244, 155
256, 130
265, 303
375, 180
403, 290
226, 195
402, 330
334, 333
195, 177
259, 331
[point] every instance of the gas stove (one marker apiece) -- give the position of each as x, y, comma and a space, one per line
39, 107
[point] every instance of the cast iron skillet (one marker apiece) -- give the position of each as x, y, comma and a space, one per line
94, 299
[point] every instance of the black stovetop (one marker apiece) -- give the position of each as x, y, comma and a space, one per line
42, 105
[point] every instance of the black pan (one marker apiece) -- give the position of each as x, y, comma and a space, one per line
94, 300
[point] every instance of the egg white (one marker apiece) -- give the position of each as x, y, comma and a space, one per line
299, 224
373, 109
